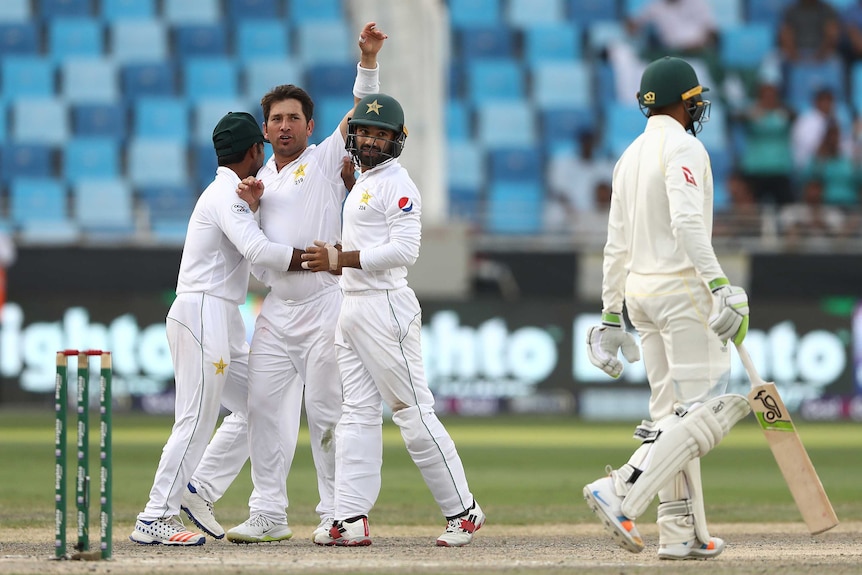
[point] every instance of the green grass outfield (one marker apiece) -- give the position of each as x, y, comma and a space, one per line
523, 470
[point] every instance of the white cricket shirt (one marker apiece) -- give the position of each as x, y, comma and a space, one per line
222, 240
382, 221
661, 210
300, 204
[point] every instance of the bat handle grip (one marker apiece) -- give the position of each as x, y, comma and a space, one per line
748, 364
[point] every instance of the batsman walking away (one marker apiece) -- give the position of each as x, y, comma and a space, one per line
660, 264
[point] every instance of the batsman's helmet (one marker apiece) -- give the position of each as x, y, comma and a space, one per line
669, 80
382, 111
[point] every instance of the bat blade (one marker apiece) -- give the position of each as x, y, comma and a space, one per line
789, 453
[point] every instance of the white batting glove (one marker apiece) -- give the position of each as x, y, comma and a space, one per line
729, 319
605, 341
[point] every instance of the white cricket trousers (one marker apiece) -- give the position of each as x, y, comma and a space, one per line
206, 336
685, 363
293, 349
380, 358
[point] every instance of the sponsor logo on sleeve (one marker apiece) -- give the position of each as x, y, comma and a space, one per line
405, 204
689, 177
240, 208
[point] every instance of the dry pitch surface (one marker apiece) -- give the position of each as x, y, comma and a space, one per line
583, 549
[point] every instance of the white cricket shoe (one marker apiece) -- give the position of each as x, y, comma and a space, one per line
459, 530
322, 528
259, 529
694, 549
200, 512
606, 504
165, 531
348, 533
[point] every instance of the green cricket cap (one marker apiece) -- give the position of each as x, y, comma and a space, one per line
235, 133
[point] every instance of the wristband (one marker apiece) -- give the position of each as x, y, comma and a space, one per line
611, 319
367, 81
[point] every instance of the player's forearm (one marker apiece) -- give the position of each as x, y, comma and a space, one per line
349, 259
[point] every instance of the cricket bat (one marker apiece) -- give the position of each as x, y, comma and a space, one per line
789, 453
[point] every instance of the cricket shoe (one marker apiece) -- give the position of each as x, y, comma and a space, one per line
694, 549
459, 530
259, 529
200, 512
348, 533
606, 504
165, 531
322, 528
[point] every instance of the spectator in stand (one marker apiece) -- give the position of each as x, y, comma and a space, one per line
685, 28
810, 127
742, 217
767, 162
835, 169
809, 32
851, 32
572, 181
811, 218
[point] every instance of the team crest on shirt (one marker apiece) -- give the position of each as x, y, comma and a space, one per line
363, 201
239, 208
405, 204
689, 177
299, 174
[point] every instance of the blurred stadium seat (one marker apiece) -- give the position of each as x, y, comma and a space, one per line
100, 120
202, 40
517, 165
40, 121
182, 12
307, 11
330, 80
162, 118
89, 80
487, 42
562, 85
113, 10
148, 79
206, 115
505, 124
590, 11
62, 8
260, 10
20, 160
75, 37
495, 80
552, 42
19, 38
27, 77
334, 34
514, 208
42, 199
85, 158
156, 162
134, 41
257, 38
525, 13
474, 12
104, 207
746, 45
210, 78
15, 11
262, 75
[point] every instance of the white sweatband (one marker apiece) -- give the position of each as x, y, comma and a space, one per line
367, 81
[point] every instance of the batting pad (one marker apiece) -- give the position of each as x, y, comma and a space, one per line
696, 434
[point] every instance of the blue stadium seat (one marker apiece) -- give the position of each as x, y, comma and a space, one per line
301, 13
514, 208
2, 123
504, 124
634, 7
562, 84
19, 38
330, 80
113, 10
205, 166
465, 165
334, 35
253, 9
474, 12
210, 79
601, 34
465, 204
263, 75
606, 86
562, 126
207, 114
491, 80
162, 118
75, 37
27, 77
203, 40
525, 13
715, 134
517, 165
90, 80
745, 46
485, 42
328, 113
261, 39
804, 80
622, 125
185, 12
100, 120
40, 121
15, 11
85, 158
156, 162
104, 206
26, 161
727, 13
168, 202
856, 87
171, 232
49, 9
586, 12
459, 126
148, 79
766, 11
135, 41
552, 42
42, 199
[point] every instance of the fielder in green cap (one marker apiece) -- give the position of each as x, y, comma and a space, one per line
659, 263
205, 330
